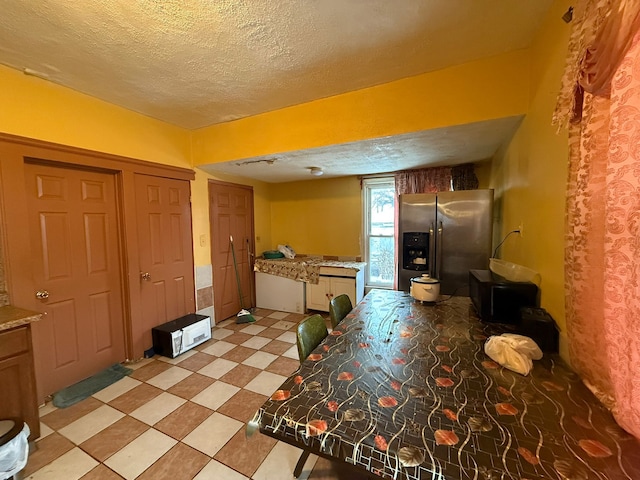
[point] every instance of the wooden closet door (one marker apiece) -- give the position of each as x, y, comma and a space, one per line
165, 251
76, 266
231, 214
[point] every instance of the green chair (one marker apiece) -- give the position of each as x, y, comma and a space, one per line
311, 331
338, 308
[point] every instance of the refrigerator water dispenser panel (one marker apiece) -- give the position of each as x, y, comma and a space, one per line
415, 251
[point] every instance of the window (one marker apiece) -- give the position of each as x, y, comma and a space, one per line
379, 244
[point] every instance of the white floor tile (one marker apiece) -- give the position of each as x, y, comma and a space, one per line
140, 454
116, 389
253, 329
281, 461
219, 348
215, 395
158, 408
256, 342
90, 424
180, 358
46, 408
44, 431
260, 360
211, 435
71, 466
217, 368
169, 377
265, 383
220, 333
278, 315
292, 353
289, 337
283, 325
217, 471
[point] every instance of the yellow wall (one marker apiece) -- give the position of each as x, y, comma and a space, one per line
490, 88
35, 108
530, 176
322, 217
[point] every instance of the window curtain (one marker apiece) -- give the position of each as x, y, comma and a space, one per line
463, 177
600, 104
425, 180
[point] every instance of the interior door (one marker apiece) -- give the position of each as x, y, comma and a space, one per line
165, 251
76, 267
231, 215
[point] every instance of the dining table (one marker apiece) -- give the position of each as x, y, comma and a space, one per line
402, 389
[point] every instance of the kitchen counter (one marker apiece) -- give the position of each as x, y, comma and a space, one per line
302, 269
11, 317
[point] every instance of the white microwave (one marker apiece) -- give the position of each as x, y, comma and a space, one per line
177, 336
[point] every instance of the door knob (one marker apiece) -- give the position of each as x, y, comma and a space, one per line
42, 294
145, 276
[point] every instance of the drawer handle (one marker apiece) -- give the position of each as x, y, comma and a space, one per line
42, 294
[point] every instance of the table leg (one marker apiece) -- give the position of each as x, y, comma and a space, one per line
300, 465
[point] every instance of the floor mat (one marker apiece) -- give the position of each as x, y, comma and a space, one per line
87, 387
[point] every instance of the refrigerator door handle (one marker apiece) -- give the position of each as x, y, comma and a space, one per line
439, 250
432, 251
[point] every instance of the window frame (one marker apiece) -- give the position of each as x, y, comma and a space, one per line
368, 184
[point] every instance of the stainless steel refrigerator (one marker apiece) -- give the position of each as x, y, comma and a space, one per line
444, 235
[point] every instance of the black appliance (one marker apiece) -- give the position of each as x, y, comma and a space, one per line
415, 251
497, 299
538, 325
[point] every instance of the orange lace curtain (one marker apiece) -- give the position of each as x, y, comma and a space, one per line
600, 104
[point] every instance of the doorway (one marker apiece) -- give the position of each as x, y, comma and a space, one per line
231, 215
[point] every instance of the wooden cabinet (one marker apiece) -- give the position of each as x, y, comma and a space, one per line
335, 281
17, 378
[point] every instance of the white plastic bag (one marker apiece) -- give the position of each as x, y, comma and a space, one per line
287, 251
14, 454
512, 351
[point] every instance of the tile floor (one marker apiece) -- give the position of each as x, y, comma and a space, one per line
183, 418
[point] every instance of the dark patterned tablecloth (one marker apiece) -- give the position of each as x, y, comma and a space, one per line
404, 391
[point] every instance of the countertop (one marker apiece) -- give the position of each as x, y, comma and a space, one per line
11, 317
303, 269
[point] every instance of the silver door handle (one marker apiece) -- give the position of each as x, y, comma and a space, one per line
42, 294
145, 276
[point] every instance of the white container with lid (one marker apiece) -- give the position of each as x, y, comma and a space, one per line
425, 288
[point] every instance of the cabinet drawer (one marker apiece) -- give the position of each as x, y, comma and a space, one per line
13, 342
338, 272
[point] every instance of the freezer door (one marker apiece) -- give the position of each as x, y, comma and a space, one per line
465, 226
416, 225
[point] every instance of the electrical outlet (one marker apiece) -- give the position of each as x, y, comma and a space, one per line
521, 228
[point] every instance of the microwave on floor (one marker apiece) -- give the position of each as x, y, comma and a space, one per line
177, 336
499, 300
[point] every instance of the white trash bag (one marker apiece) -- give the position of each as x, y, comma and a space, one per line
14, 453
512, 351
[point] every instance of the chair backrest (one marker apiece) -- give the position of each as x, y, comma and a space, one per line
311, 331
338, 308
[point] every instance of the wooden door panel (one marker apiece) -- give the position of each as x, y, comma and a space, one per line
165, 250
74, 227
231, 214
62, 322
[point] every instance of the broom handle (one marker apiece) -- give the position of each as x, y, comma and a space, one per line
235, 267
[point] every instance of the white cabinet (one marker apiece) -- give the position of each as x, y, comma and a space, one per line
335, 281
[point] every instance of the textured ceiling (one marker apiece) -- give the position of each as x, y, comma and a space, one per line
194, 63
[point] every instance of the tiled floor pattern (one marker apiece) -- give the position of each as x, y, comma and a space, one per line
183, 418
